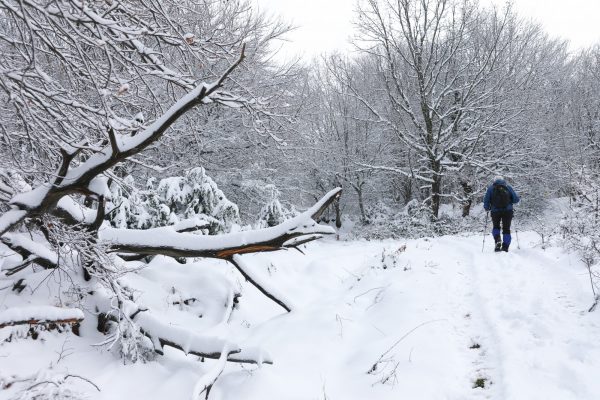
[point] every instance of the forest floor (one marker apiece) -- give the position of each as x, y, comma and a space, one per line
415, 319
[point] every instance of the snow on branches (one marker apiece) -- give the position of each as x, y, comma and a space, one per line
84, 87
579, 226
171, 201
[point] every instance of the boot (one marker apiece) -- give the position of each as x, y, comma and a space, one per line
498, 247
504, 247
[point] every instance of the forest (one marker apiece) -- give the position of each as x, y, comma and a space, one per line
171, 191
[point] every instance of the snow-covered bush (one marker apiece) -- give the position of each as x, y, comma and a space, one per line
172, 200
273, 212
392, 257
413, 221
579, 226
123, 195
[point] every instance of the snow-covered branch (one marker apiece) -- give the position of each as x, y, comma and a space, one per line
205, 383
167, 241
77, 179
30, 251
266, 289
40, 315
164, 334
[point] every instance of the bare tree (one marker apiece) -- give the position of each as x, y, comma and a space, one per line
451, 72
342, 134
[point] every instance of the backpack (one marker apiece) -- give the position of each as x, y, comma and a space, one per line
501, 197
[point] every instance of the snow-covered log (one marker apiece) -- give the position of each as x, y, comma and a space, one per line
40, 315
167, 241
175, 242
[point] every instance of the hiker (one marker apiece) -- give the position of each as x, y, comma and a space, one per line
499, 199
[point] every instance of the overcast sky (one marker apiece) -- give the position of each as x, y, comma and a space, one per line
325, 25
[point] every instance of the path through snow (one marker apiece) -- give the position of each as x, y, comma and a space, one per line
514, 323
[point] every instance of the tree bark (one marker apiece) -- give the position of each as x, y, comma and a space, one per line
361, 203
468, 193
436, 188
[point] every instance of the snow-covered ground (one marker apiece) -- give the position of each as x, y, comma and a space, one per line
415, 319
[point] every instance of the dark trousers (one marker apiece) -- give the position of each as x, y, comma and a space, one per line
503, 218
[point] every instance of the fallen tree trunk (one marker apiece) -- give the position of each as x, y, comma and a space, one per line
166, 241
40, 315
176, 242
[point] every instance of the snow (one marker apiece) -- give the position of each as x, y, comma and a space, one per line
433, 316
525, 309
76, 210
32, 198
190, 341
9, 218
39, 313
123, 88
190, 224
99, 186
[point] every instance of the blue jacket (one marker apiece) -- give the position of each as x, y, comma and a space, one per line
486, 200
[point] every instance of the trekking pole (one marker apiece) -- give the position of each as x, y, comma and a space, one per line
487, 214
517, 233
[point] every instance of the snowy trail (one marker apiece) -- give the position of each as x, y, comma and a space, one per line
545, 340
419, 319
516, 321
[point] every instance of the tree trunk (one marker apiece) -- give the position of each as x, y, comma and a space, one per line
436, 188
338, 214
361, 204
468, 192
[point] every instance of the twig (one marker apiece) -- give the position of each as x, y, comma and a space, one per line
83, 379
374, 367
370, 290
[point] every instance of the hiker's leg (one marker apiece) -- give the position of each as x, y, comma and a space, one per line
496, 218
506, 237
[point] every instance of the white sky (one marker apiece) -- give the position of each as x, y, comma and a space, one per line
325, 25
